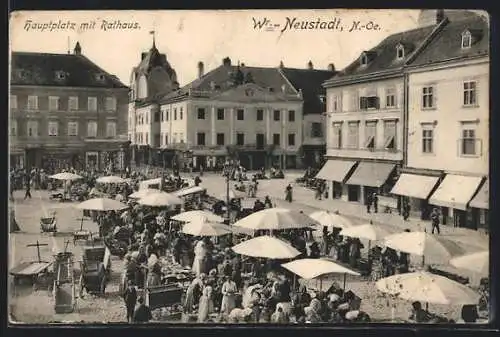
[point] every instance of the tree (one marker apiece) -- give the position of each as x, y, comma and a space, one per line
249, 78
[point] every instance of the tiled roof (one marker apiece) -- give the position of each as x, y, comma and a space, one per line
59, 70
448, 43
383, 57
311, 84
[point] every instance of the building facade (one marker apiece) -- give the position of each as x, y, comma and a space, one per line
66, 111
448, 121
365, 120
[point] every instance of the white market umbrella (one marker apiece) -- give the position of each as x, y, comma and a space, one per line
160, 199
438, 249
204, 227
331, 220
312, 268
66, 176
276, 219
266, 247
429, 288
478, 263
111, 180
190, 216
368, 231
142, 193
102, 204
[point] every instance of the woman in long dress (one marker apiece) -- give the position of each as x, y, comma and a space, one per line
199, 256
228, 291
206, 306
193, 293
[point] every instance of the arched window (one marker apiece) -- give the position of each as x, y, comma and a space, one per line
466, 39
400, 51
364, 59
142, 87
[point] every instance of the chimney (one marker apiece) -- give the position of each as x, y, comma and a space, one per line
201, 69
439, 16
226, 62
78, 49
143, 55
331, 67
242, 65
310, 65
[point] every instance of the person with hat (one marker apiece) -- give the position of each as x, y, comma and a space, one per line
206, 304
435, 220
229, 290
194, 292
130, 298
142, 313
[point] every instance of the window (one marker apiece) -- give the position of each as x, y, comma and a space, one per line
468, 142
276, 139
335, 103
428, 140
353, 135
13, 127
53, 129
276, 115
428, 97
73, 103
370, 102
175, 114
370, 134
166, 139
174, 139
146, 138
220, 115
390, 98
60, 75
240, 114
72, 128
390, 135
162, 115
200, 138
13, 101
147, 117
181, 113
32, 102
111, 129
400, 52
470, 93
466, 39
110, 104
32, 128
260, 114
364, 59
161, 139
240, 139
291, 139
201, 113
260, 141
291, 116
181, 137
316, 130
157, 116
166, 115
337, 135
92, 103
92, 129
220, 139
53, 103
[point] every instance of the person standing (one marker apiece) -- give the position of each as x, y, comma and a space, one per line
130, 298
28, 186
142, 313
435, 220
289, 193
375, 202
368, 203
228, 291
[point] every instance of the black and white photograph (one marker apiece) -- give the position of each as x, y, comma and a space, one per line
289, 167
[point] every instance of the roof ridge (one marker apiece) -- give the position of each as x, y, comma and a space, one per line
435, 32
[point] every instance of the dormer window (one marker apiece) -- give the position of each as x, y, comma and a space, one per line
100, 77
466, 39
364, 59
60, 75
322, 98
400, 51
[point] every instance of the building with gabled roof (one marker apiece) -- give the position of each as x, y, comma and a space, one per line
255, 113
65, 110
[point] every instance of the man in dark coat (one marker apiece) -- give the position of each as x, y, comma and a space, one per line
142, 313
435, 220
28, 186
130, 298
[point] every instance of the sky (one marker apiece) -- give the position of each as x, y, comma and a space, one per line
188, 37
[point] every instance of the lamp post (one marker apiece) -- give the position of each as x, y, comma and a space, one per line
228, 209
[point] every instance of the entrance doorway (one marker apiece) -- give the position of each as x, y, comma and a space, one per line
353, 193
92, 160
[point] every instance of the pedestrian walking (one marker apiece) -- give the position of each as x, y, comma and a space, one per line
130, 298
375, 202
28, 187
142, 313
368, 203
435, 220
288, 193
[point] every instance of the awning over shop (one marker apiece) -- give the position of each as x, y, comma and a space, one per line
335, 170
414, 185
455, 191
371, 174
482, 198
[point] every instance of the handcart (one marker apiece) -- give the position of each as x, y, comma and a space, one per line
64, 283
96, 270
82, 234
49, 224
34, 272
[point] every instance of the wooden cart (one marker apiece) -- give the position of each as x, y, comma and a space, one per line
48, 224
35, 272
96, 268
166, 296
64, 283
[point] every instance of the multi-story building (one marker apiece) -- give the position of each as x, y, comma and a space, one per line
252, 113
365, 127
65, 110
448, 122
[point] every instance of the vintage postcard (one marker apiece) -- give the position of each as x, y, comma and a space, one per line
249, 166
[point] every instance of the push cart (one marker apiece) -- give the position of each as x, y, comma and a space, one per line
34, 272
64, 283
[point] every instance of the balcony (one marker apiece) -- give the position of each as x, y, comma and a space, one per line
375, 154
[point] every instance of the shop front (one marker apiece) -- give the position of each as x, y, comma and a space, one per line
452, 197
335, 172
480, 207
